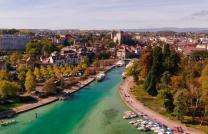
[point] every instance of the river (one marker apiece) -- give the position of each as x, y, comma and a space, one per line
96, 109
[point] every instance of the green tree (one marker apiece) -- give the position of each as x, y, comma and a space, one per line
171, 62
22, 70
134, 71
30, 83
36, 48
8, 89
166, 98
155, 72
181, 106
165, 79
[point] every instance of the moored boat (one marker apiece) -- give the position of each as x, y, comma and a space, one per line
6, 123
120, 63
100, 76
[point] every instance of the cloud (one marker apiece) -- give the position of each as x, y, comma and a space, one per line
200, 13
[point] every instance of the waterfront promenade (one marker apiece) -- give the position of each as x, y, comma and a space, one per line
139, 107
42, 102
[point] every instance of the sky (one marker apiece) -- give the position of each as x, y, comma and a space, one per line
103, 14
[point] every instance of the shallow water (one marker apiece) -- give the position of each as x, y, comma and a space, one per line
96, 109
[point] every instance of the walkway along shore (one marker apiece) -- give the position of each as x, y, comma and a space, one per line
43, 102
139, 107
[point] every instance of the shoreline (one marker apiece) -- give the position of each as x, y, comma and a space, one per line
138, 107
49, 100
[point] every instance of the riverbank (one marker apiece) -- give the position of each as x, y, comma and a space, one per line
43, 102
137, 106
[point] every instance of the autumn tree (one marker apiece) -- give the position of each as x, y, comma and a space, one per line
30, 83
204, 87
146, 62
49, 87
4, 75
44, 72
50, 71
37, 73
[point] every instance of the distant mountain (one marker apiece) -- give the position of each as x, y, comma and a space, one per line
196, 30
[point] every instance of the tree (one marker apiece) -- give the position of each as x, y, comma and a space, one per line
204, 81
166, 98
50, 71
36, 48
171, 62
155, 72
68, 69
146, 62
37, 74
49, 87
96, 64
15, 57
204, 88
4, 75
104, 54
8, 89
165, 78
30, 83
22, 70
83, 65
134, 71
44, 73
57, 71
180, 101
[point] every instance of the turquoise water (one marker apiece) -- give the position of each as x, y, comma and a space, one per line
96, 109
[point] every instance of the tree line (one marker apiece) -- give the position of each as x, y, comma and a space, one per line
180, 83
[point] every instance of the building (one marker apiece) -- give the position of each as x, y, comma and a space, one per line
202, 46
122, 52
70, 58
13, 42
121, 38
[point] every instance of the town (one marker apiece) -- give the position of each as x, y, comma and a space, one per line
43, 66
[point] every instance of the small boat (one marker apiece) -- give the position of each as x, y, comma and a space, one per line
120, 63
6, 123
100, 76
124, 75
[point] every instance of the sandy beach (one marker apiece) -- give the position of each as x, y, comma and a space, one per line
137, 106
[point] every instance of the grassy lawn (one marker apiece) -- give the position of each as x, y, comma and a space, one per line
154, 104
148, 100
4, 107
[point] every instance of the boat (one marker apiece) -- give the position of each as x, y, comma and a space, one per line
100, 76
120, 63
6, 123
124, 75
